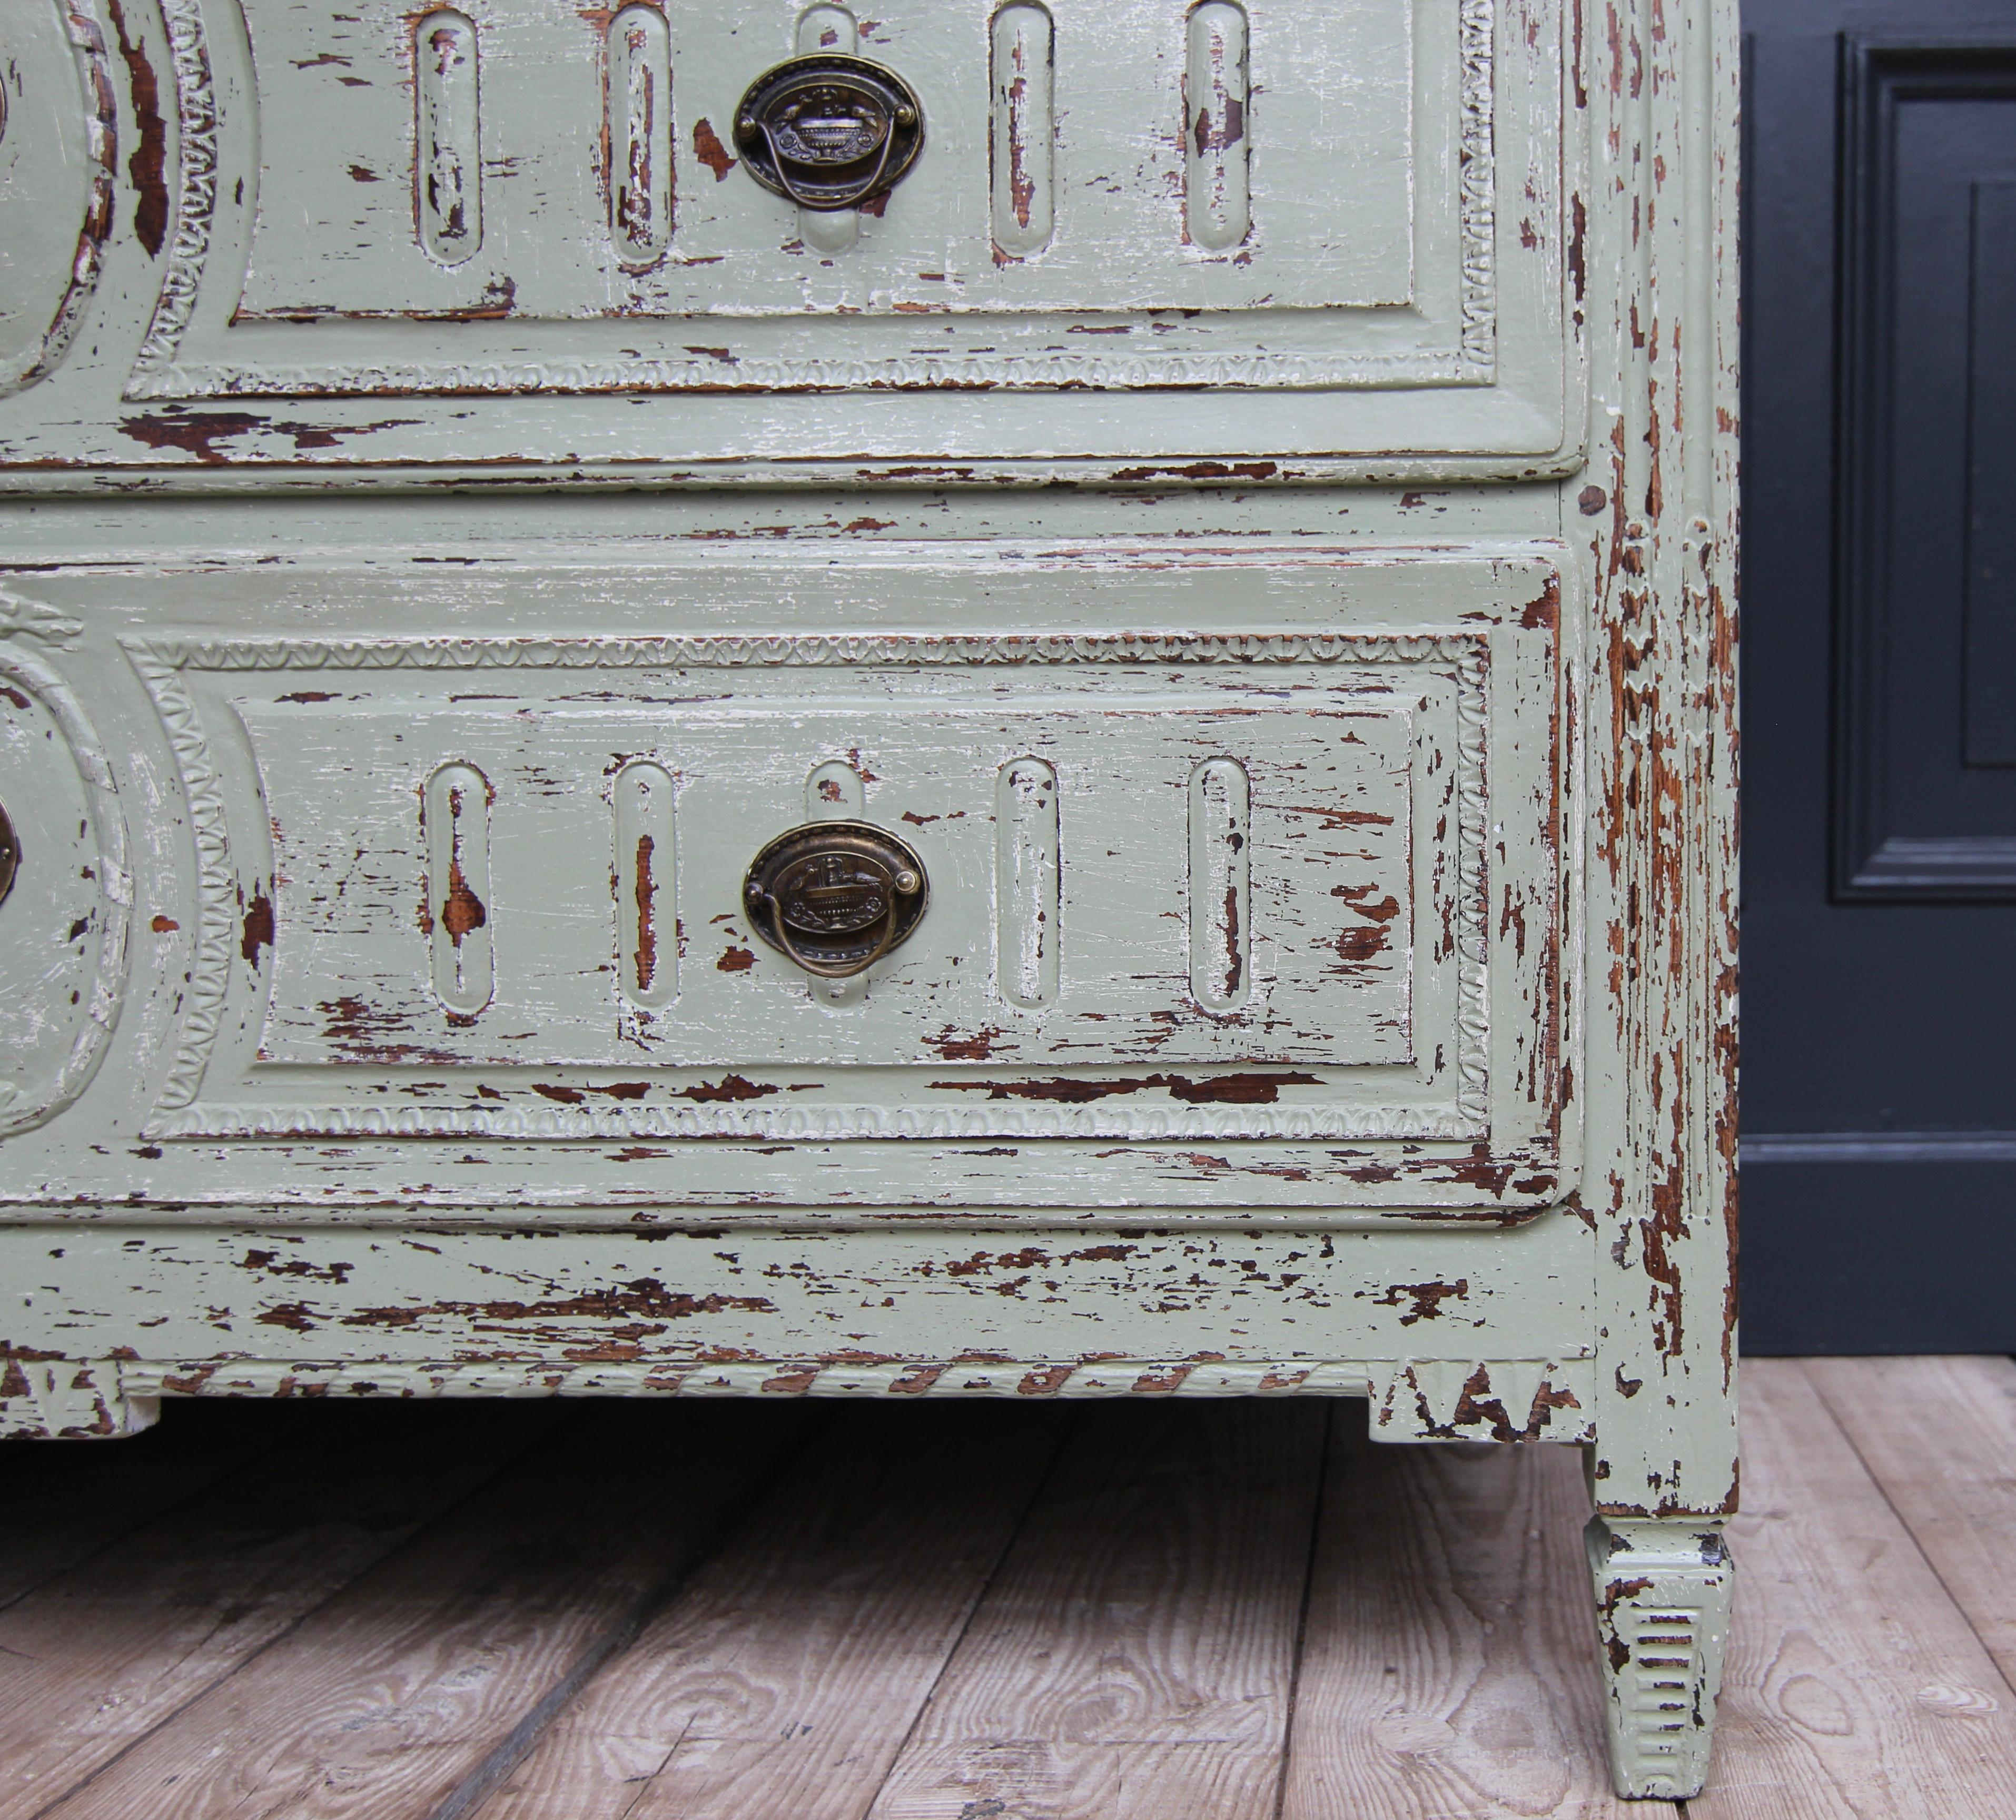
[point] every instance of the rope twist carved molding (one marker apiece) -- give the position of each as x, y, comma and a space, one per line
811, 1124
588, 651
159, 372
1478, 182
164, 663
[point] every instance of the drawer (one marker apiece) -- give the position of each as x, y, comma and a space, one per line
1239, 885
525, 235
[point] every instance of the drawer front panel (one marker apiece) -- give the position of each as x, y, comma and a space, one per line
458, 899
461, 236
1336, 768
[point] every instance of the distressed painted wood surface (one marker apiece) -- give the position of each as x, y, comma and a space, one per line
1327, 986
358, 237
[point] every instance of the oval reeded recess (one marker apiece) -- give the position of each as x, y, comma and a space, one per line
447, 150
647, 942
457, 810
639, 78
1216, 194
1221, 938
1025, 883
1023, 130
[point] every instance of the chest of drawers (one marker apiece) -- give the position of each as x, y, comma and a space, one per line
1013, 701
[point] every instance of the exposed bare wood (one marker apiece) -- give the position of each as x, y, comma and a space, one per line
1446, 1670
1317, 905
393, 1696
1939, 1437
1855, 1688
1134, 1657
102, 1654
783, 1679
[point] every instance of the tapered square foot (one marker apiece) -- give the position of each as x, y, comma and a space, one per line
1662, 1600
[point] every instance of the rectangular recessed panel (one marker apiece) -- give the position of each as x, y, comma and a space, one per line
1072, 866
1322, 170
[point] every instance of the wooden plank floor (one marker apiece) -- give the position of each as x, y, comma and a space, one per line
975, 1611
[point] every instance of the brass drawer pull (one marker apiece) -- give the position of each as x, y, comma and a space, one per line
836, 897
828, 131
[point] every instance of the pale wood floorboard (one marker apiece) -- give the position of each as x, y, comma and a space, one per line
1134, 1658
394, 1691
975, 1612
786, 1676
1449, 1671
97, 1656
1939, 1437
1855, 1686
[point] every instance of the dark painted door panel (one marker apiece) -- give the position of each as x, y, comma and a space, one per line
1880, 677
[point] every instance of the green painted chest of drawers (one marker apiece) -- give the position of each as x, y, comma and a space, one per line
1032, 701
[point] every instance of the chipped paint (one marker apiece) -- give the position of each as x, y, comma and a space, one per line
1401, 1068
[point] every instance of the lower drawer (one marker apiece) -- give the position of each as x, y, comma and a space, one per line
1230, 884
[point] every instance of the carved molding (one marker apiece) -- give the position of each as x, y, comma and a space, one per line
195, 205
813, 650
70, 1400
102, 154
1663, 1597
814, 1123
162, 664
1384, 1381
1495, 1400
1473, 1015
160, 372
1478, 184
210, 962
20, 617
108, 825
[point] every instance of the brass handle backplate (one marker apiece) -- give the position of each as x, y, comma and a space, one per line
828, 131
836, 897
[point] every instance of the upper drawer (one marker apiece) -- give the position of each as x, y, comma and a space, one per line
474, 234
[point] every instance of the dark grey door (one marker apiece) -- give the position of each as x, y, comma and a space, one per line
1879, 1100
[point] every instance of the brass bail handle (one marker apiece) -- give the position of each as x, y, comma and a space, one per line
828, 131
845, 199
830, 969
833, 897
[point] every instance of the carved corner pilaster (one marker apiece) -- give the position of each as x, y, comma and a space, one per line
1662, 1604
